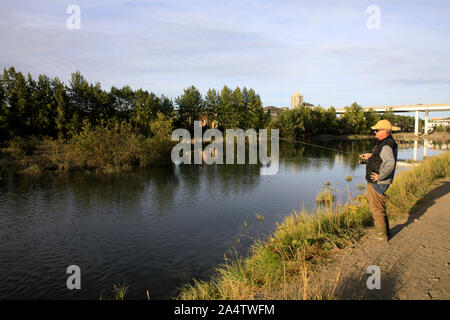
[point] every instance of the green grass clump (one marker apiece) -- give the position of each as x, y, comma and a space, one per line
119, 292
259, 217
325, 196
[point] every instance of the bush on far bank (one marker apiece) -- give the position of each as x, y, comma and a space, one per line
110, 147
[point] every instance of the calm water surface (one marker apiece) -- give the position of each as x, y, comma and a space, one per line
154, 229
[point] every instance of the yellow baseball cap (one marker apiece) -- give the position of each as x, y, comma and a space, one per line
384, 124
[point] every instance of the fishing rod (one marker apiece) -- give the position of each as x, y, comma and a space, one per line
318, 146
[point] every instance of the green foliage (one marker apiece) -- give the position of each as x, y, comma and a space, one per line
50, 108
190, 107
406, 123
225, 109
441, 128
306, 121
309, 121
112, 145
353, 120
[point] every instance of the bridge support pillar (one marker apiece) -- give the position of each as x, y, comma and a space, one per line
416, 149
416, 124
426, 122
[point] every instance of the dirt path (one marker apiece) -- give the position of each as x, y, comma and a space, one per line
415, 262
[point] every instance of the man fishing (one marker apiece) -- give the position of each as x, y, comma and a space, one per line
380, 172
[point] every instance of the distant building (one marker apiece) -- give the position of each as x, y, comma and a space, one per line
436, 122
296, 100
272, 111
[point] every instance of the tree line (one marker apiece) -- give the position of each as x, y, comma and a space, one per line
310, 121
48, 107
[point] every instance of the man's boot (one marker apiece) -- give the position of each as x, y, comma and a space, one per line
381, 233
388, 230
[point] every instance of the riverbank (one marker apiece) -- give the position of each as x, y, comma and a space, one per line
287, 263
107, 148
414, 265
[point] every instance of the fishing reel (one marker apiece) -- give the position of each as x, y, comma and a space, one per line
362, 161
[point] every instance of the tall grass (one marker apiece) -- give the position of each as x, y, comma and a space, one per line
119, 292
281, 266
325, 196
411, 186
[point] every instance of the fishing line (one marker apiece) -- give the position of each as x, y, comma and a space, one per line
318, 146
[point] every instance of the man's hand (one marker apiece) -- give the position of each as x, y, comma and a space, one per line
374, 176
365, 156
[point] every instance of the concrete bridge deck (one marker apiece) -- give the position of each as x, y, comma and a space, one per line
427, 108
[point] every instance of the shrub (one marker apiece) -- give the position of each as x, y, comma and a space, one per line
115, 146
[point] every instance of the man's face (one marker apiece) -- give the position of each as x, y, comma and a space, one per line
381, 133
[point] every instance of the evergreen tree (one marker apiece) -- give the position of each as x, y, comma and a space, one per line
190, 107
225, 114
211, 106
255, 110
17, 99
63, 114
238, 113
165, 107
4, 125
44, 106
123, 101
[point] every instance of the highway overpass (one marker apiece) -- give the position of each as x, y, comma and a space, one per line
427, 108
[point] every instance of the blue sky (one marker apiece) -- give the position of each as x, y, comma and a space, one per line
321, 48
